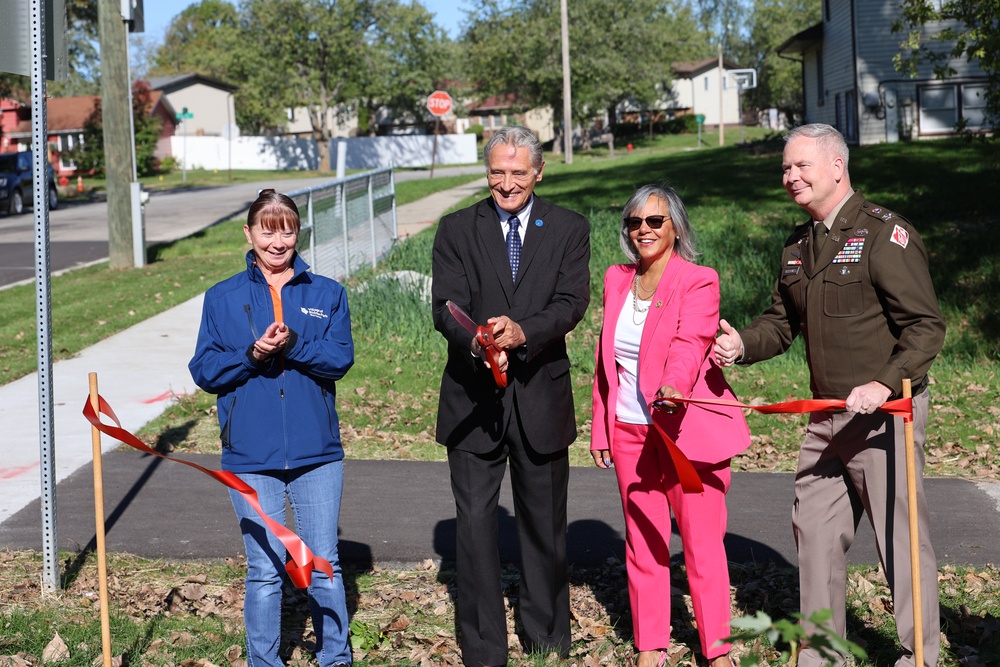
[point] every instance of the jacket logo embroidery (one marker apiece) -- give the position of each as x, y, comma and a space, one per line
314, 312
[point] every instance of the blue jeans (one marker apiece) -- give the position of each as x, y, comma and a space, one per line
314, 493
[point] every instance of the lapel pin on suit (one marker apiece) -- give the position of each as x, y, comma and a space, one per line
539, 223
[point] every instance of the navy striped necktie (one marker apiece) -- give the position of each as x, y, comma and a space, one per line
513, 245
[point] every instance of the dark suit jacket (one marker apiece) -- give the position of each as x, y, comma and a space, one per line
471, 268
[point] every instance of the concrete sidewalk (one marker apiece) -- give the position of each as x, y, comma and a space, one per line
140, 370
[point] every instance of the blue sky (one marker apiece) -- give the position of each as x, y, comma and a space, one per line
448, 14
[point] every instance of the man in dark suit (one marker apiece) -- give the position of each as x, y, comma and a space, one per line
518, 264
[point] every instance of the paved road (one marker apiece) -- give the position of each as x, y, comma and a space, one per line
78, 233
401, 512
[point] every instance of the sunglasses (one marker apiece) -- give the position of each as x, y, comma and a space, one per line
653, 221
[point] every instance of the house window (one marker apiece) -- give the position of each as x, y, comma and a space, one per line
837, 123
974, 106
67, 142
826, 9
938, 109
706, 83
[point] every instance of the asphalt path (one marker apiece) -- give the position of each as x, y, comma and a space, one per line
399, 513
78, 232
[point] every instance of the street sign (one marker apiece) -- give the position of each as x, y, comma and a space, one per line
184, 114
439, 103
700, 118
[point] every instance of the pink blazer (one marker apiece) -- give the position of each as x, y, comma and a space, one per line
676, 340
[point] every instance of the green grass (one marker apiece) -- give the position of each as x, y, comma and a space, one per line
92, 303
741, 215
388, 400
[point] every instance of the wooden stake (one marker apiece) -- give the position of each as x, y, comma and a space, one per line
911, 502
102, 564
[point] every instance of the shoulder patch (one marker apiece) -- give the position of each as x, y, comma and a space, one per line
900, 236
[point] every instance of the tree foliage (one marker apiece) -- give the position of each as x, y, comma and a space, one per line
333, 58
204, 38
779, 80
969, 29
618, 51
404, 61
89, 155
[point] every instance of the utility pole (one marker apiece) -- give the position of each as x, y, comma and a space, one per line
722, 99
116, 119
567, 95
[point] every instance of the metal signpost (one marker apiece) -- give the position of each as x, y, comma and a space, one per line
184, 116
438, 103
34, 37
701, 123
745, 79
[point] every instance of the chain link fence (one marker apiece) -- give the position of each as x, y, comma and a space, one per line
347, 223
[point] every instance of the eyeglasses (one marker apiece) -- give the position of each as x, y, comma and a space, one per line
653, 221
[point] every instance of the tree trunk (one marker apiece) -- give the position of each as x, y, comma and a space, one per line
557, 142
323, 150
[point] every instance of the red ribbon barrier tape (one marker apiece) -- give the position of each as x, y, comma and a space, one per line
303, 561
686, 473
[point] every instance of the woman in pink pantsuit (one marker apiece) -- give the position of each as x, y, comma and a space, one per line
660, 317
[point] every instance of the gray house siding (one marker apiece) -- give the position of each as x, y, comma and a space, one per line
849, 80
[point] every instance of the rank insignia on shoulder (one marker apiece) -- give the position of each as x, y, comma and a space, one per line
900, 236
887, 216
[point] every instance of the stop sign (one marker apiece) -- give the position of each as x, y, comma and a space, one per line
439, 102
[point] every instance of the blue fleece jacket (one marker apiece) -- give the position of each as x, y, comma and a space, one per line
279, 414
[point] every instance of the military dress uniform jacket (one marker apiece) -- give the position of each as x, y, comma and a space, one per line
866, 307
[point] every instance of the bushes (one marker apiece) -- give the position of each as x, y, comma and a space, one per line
477, 130
685, 124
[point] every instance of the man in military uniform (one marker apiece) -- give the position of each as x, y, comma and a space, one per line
854, 282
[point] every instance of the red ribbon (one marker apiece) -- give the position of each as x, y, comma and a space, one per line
686, 473
303, 561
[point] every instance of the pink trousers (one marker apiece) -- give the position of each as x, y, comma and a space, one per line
649, 491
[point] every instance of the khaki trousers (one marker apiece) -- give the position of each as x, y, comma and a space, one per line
850, 465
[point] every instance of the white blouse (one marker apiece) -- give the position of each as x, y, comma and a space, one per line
631, 407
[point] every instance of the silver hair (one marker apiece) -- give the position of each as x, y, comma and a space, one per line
518, 137
684, 244
828, 136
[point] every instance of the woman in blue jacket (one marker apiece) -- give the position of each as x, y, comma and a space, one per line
273, 342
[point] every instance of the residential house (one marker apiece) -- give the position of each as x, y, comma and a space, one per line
66, 117
702, 88
342, 121
496, 112
209, 102
849, 80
